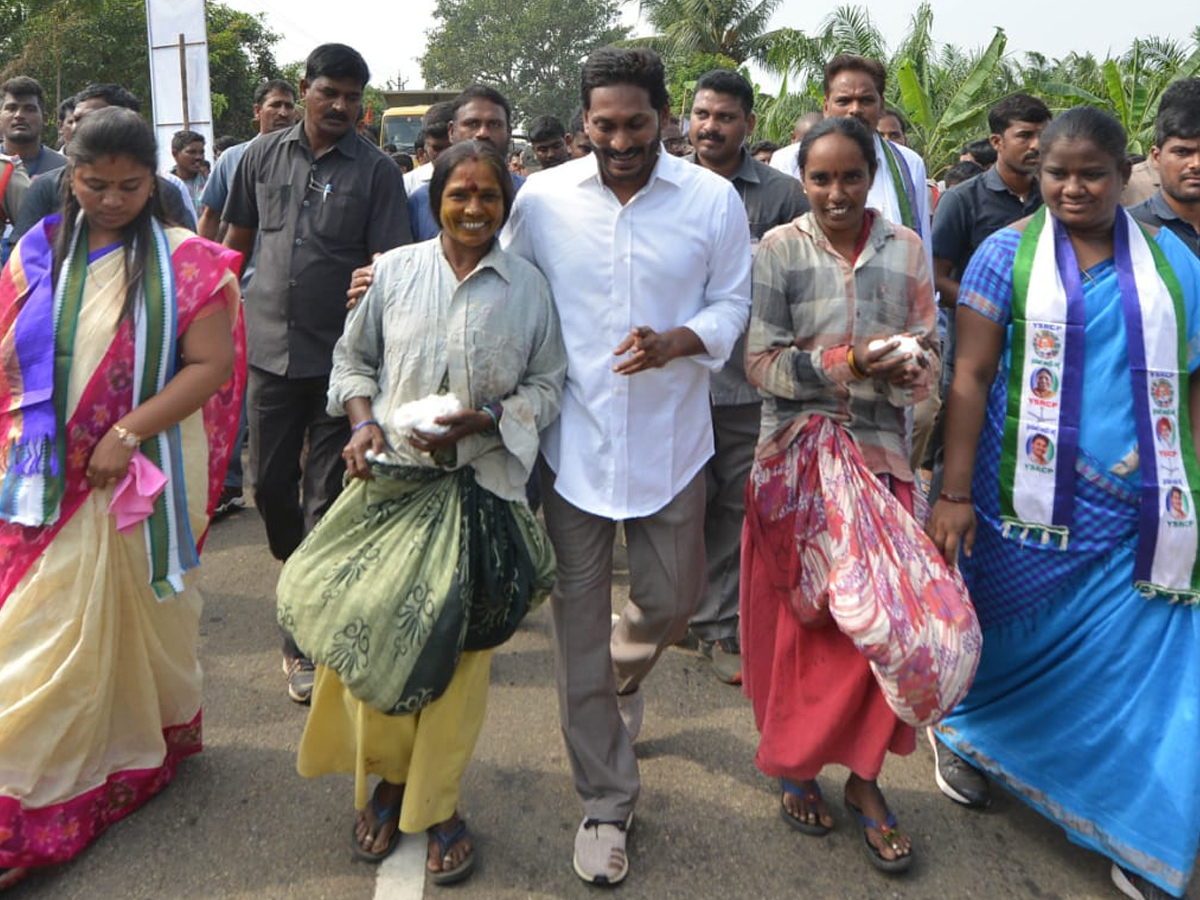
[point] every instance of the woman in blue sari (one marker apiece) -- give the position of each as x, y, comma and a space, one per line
1067, 508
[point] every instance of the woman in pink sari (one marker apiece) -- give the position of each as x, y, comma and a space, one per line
121, 370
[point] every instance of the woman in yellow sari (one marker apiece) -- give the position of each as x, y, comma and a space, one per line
120, 378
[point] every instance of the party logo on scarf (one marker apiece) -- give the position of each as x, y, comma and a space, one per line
1046, 344
1163, 392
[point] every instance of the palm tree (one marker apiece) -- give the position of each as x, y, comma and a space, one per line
736, 29
1128, 86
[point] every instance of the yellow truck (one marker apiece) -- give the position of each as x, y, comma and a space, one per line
402, 117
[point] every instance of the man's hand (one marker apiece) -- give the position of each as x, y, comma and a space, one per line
650, 349
360, 280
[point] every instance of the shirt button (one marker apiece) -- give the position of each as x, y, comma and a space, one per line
299, 241
305, 204
292, 283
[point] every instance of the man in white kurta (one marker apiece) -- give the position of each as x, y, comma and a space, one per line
648, 258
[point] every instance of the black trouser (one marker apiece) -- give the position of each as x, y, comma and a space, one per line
295, 457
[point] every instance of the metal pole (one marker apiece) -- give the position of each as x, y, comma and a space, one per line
183, 85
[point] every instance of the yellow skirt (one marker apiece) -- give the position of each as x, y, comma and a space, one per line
427, 752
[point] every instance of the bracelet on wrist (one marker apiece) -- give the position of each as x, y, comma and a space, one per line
857, 372
126, 437
951, 497
363, 424
494, 412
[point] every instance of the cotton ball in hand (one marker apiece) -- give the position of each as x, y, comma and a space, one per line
419, 415
907, 344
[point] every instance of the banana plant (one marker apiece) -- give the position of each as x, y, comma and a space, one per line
944, 115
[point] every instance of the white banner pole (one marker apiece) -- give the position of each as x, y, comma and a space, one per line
179, 72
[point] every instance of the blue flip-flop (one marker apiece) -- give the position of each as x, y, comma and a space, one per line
810, 793
889, 832
446, 840
381, 816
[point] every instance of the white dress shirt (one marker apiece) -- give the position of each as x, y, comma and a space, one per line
417, 177
677, 254
787, 160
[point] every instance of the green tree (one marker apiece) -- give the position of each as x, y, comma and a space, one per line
530, 51
734, 29
682, 76
240, 57
1128, 86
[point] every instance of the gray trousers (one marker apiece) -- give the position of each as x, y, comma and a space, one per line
735, 433
594, 659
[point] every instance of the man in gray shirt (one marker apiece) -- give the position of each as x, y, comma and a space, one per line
1176, 152
722, 117
322, 201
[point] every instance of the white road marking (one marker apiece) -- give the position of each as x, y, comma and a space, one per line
402, 875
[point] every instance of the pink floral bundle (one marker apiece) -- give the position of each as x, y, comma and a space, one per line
848, 552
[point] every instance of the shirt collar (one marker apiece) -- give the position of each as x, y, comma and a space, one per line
671, 169
1160, 207
746, 170
495, 259
993, 182
347, 144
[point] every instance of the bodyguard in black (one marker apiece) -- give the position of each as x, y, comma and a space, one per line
323, 201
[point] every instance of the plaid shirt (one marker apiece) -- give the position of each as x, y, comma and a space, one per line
811, 306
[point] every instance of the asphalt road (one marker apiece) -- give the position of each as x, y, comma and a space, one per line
238, 822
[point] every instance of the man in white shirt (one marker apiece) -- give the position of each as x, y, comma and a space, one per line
854, 86
648, 257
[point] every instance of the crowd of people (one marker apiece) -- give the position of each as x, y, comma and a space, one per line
636, 324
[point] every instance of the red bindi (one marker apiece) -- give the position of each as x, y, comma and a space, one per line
471, 186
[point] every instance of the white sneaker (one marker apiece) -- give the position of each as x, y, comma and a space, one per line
600, 851
1135, 887
632, 707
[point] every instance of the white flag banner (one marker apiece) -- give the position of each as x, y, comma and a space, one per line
174, 76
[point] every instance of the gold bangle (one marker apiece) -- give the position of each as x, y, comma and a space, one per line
127, 437
854, 369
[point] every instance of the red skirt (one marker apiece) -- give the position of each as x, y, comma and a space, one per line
814, 697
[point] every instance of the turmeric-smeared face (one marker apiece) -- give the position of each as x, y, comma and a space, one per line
472, 204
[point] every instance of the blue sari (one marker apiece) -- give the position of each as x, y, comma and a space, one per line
1086, 703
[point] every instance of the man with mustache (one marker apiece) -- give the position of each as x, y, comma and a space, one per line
722, 117
480, 113
648, 258
22, 117
1176, 154
321, 199
965, 216
854, 86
